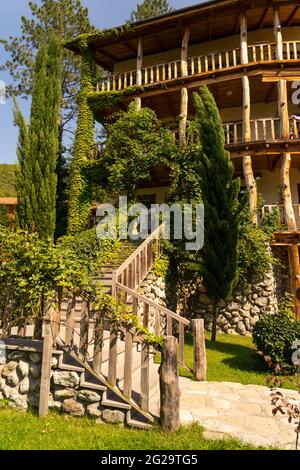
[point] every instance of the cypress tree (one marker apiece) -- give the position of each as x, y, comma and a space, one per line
150, 8
38, 153
220, 196
21, 179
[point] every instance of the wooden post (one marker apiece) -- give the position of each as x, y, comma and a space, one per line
183, 116
70, 320
246, 109
283, 111
139, 67
294, 263
184, 51
169, 387
289, 215
200, 366
251, 186
244, 38
278, 34
46, 364
7, 314
98, 345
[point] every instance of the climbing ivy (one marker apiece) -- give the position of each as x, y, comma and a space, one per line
113, 33
80, 195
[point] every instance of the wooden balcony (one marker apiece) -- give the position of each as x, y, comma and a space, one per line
213, 62
262, 130
278, 209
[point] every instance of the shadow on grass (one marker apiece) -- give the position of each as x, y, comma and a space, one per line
233, 355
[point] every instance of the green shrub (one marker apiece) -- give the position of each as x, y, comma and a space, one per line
274, 336
287, 307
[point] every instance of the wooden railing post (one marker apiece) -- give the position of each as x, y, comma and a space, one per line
169, 387
46, 364
200, 366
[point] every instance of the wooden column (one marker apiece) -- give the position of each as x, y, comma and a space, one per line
282, 85
139, 67
184, 52
251, 186
184, 92
183, 116
244, 38
278, 34
289, 215
283, 110
294, 263
247, 161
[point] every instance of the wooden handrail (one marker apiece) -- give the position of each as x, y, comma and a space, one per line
210, 62
165, 311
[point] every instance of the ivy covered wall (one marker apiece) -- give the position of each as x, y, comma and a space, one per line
80, 194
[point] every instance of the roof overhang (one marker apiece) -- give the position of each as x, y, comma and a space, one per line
208, 21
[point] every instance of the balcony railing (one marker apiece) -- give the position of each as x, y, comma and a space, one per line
278, 209
198, 65
262, 130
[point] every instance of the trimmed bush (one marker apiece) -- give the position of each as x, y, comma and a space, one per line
274, 336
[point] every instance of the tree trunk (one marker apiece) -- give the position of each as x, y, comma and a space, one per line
251, 186
214, 325
289, 215
183, 116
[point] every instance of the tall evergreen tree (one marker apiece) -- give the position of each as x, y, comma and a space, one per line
63, 19
150, 8
37, 169
220, 196
21, 178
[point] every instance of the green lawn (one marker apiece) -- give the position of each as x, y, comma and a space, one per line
25, 431
232, 359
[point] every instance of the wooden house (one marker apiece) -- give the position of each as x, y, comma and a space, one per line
248, 53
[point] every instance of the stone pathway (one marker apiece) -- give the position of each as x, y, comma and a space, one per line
242, 411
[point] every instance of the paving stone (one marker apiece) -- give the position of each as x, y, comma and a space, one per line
236, 410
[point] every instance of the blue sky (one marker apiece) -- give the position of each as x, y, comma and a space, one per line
103, 14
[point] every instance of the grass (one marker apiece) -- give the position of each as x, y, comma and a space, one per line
25, 431
232, 359
7, 176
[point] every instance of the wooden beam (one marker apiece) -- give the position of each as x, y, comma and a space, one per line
251, 187
183, 116
184, 51
263, 17
292, 15
283, 112
106, 54
294, 264
289, 215
139, 66
244, 38
246, 109
130, 48
278, 34
293, 78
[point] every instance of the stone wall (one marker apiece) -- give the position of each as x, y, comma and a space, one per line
20, 377
239, 314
